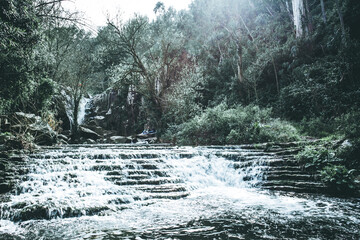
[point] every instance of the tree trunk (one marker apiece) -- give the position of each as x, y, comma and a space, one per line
298, 11
276, 75
323, 10
291, 16
310, 25
239, 63
341, 18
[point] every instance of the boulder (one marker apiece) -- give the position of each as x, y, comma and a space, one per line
14, 144
6, 187
118, 139
43, 133
63, 137
97, 129
24, 118
87, 133
151, 140
100, 121
90, 141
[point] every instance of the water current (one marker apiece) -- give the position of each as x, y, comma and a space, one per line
162, 192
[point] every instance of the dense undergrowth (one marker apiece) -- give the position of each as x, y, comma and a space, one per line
224, 125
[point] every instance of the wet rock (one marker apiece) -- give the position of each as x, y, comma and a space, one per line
118, 139
24, 123
151, 140
62, 142
87, 133
131, 140
63, 137
6, 187
97, 129
100, 121
67, 133
2, 147
3, 138
31, 212
44, 135
90, 141
14, 144
17, 158
2, 166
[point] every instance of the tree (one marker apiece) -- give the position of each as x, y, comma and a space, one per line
152, 62
299, 13
323, 13
18, 36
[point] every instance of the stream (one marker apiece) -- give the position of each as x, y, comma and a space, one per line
162, 192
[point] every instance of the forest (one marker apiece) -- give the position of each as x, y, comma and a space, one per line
219, 73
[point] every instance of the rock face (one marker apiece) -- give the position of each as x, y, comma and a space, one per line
42, 133
113, 117
105, 110
64, 106
12, 169
88, 134
113, 111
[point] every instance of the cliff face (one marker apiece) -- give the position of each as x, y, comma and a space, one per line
104, 111
111, 111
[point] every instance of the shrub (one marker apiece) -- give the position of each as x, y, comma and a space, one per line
339, 179
332, 167
316, 157
318, 126
223, 125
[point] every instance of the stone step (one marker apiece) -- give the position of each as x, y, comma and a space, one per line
282, 162
300, 177
271, 171
304, 184
154, 181
288, 188
122, 167
95, 156
246, 158
172, 195
285, 168
169, 187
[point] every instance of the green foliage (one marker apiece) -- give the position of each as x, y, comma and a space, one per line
351, 152
315, 157
223, 125
18, 34
333, 168
339, 179
43, 94
319, 127
183, 99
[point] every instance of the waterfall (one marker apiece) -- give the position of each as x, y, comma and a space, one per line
82, 109
162, 192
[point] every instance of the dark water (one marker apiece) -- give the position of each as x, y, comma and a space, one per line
143, 192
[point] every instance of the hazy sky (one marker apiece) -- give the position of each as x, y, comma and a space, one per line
96, 10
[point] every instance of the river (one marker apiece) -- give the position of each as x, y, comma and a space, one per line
162, 192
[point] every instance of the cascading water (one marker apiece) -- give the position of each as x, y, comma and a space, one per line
161, 192
82, 110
